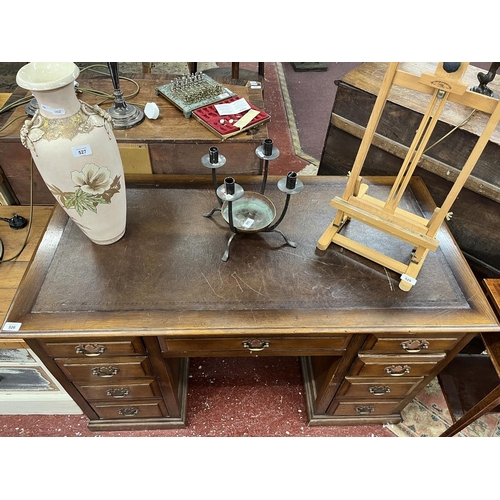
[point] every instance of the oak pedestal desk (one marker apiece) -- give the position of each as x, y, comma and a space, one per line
117, 324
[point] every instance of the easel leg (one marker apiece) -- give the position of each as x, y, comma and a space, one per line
331, 231
410, 276
359, 190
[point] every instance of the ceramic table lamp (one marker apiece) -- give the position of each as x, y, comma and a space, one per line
75, 151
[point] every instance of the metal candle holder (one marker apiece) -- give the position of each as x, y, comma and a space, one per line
123, 115
484, 79
250, 212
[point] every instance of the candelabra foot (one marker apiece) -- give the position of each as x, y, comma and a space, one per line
226, 253
288, 242
209, 214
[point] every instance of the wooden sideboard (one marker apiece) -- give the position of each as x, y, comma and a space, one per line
116, 325
171, 144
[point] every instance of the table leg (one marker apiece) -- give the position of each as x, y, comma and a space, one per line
477, 411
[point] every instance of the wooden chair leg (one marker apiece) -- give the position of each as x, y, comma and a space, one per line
192, 67
235, 70
477, 411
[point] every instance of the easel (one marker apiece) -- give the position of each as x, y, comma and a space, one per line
443, 85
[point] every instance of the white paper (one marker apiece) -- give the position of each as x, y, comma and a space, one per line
54, 111
84, 150
11, 326
408, 279
232, 108
248, 223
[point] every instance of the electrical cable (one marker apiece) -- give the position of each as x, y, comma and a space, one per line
97, 93
15, 104
452, 130
108, 97
10, 122
2, 260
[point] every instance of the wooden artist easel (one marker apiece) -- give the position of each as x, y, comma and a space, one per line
444, 85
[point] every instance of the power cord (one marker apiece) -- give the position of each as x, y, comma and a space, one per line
105, 96
20, 221
451, 131
108, 97
16, 221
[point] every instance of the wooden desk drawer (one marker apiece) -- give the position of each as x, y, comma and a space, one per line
365, 408
377, 388
243, 346
94, 348
419, 344
395, 366
131, 409
126, 389
92, 369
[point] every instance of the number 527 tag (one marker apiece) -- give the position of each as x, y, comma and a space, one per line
84, 150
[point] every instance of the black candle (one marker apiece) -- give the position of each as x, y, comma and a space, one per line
213, 154
268, 147
291, 180
229, 184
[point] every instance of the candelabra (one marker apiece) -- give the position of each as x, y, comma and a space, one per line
247, 211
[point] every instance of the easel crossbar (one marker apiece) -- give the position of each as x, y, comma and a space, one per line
370, 253
401, 217
371, 219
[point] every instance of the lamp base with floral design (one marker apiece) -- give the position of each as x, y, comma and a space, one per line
75, 151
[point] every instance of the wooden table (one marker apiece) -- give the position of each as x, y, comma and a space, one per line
4, 98
116, 325
172, 144
476, 212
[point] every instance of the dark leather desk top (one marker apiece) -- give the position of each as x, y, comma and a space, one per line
166, 272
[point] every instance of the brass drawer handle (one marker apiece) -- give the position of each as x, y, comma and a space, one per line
118, 393
397, 370
364, 410
128, 412
379, 390
256, 345
90, 350
105, 371
414, 345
